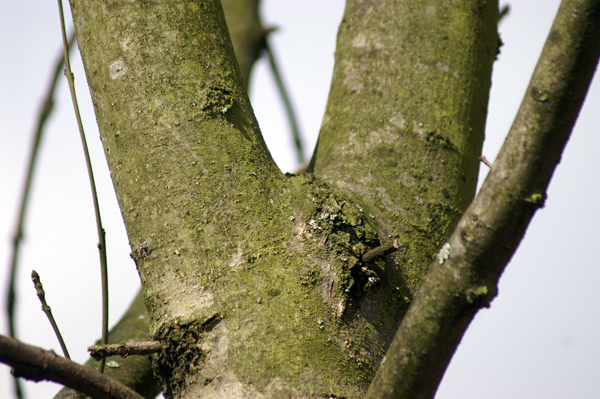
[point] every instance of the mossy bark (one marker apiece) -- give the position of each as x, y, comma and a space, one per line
247, 36
405, 119
464, 277
253, 279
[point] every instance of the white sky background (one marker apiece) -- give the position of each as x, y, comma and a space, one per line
539, 339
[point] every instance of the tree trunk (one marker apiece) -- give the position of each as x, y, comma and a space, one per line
255, 280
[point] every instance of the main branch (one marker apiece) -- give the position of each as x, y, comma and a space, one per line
465, 274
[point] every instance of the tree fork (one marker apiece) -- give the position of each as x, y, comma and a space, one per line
215, 227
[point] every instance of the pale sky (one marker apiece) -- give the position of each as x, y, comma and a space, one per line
539, 339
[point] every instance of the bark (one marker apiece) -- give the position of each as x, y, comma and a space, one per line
465, 274
262, 269
197, 188
405, 119
247, 37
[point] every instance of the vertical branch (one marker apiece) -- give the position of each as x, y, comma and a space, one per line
465, 274
101, 232
286, 102
410, 109
44, 113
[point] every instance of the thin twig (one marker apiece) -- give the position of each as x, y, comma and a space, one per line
381, 251
101, 232
286, 101
125, 349
38, 364
17, 236
39, 289
504, 11
485, 161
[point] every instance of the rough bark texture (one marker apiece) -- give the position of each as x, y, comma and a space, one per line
465, 275
262, 269
136, 372
406, 114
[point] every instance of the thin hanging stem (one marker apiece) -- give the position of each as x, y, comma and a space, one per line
286, 101
39, 290
101, 232
44, 113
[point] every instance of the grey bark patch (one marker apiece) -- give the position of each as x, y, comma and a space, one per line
117, 69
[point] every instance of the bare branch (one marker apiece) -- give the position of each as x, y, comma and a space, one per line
382, 250
485, 161
504, 12
125, 349
283, 92
134, 371
39, 288
88, 162
38, 364
247, 33
44, 113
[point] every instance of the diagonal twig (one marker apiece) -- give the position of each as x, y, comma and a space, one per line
286, 101
39, 289
101, 232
